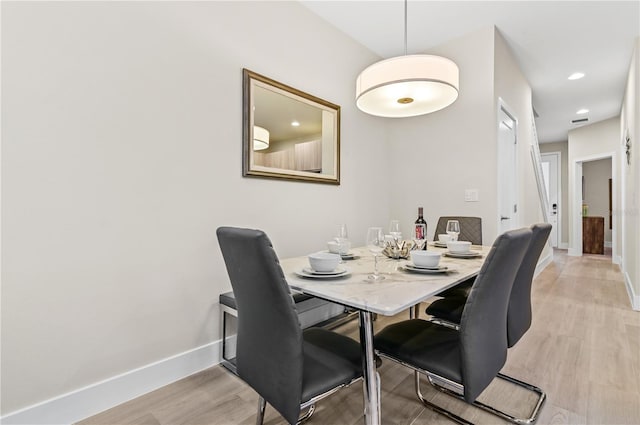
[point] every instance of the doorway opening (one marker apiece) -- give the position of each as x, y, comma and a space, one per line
507, 169
593, 227
551, 171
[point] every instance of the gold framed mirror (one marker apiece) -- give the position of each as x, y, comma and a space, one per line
288, 134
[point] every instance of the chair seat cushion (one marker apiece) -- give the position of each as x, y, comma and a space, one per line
330, 359
449, 309
431, 347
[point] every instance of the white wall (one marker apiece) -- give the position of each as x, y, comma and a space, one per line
587, 143
596, 190
436, 157
121, 155
630, 210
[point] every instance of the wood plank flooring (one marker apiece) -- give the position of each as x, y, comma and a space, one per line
583, 349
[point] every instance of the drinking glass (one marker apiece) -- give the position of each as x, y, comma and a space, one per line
394, 230
342, 237
375, 244
453, 229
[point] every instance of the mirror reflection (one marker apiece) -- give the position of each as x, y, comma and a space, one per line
291, 134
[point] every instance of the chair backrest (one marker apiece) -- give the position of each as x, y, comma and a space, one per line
470, 229
519, 313
483, 327
269, 354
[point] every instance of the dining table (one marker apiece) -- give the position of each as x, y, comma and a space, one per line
400, 290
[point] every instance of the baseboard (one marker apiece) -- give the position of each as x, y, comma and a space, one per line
608, 244
574, 252
90, 400
563, 245
633, 297
544, 262
617, 260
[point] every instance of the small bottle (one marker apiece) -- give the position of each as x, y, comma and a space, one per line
421, 228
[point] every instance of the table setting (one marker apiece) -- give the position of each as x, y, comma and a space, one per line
391, 254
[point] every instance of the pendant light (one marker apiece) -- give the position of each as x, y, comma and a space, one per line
407, 86
260, 138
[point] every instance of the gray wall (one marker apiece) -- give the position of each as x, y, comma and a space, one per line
121, 155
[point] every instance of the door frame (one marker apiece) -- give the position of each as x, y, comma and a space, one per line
558, 156
502, 106
575, 216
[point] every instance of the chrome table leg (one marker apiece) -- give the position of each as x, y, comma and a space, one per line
371, 384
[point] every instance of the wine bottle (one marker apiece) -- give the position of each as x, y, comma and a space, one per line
421, 228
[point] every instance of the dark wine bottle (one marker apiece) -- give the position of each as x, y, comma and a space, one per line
421, 228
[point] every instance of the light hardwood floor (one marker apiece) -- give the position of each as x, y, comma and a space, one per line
583, 349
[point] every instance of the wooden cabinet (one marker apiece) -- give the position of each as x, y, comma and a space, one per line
593, 235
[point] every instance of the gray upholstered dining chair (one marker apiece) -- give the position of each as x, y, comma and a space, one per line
470, 358
470, 228
519, 314
289, 368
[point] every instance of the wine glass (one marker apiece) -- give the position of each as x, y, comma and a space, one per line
394, 230
342, 237
375, 244
453, 229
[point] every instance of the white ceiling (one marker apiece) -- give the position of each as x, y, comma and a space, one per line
550, 40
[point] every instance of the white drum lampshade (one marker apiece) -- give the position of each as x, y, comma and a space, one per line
407, 86
260, 138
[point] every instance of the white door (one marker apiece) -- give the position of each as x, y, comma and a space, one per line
507, 171
551, 174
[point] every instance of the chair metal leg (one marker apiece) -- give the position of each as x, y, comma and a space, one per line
443, 322
520, 421
445, 386
435, 408
227, 362
542, 396
262, 404
307, 415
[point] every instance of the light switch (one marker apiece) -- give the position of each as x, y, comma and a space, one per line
471, 195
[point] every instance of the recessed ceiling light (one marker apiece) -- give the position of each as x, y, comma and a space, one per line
582, 111
576, 75
295, 124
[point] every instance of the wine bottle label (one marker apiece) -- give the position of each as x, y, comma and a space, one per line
421, 231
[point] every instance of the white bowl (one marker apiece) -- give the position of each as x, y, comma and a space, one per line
337, 247
459, 246
324, 261
444, 238
425, 258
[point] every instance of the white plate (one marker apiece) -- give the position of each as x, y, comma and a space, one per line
412, 268
337, 271
347, 256
440, 244
428, 268
303, 273
470, 254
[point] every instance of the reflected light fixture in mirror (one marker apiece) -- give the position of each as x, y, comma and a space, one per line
260, 138
407, 86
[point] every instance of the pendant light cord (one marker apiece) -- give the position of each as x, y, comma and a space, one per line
405, 27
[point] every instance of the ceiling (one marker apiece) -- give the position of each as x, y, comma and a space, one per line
550, 40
